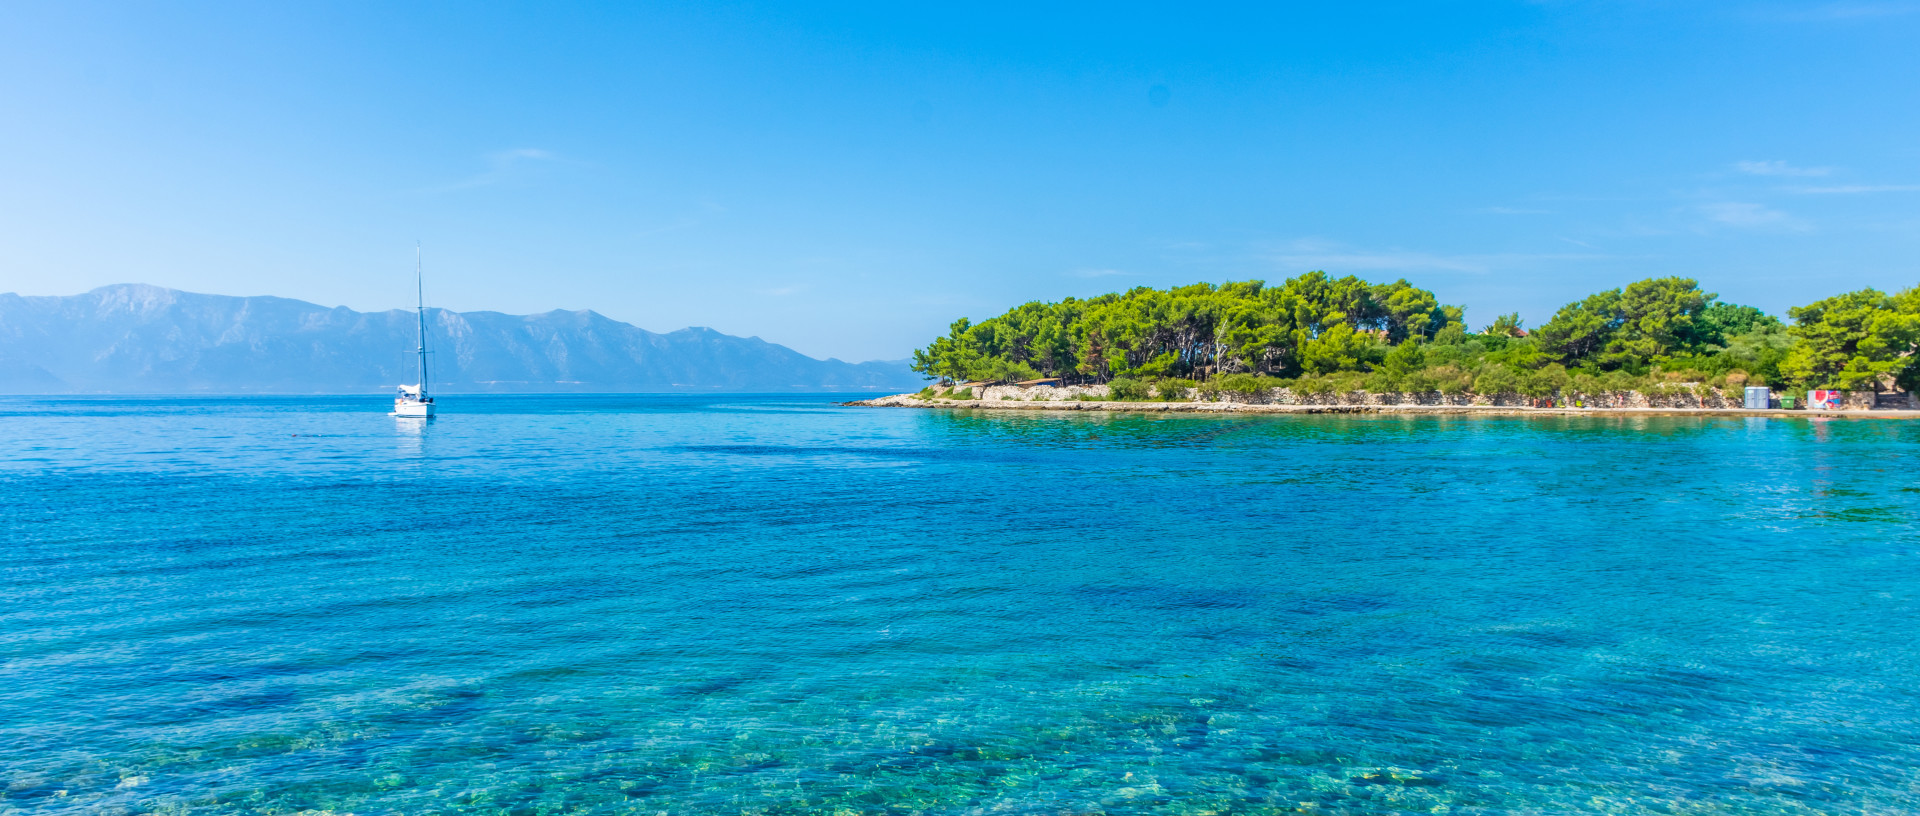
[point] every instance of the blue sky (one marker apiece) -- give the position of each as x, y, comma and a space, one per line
847, 179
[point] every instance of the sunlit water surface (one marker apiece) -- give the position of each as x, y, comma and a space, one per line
600, 605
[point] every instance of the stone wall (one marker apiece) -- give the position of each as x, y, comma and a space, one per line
1898, 401
1680, 396
1038, 393
1855, 400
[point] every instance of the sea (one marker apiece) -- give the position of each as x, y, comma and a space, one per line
778, 605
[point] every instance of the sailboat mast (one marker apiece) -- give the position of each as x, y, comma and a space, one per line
420, 314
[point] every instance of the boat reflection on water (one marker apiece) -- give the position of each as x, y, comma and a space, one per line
411, 435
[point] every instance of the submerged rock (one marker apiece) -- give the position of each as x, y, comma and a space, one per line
1395, 776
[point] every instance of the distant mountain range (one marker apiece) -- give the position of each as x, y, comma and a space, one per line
133, 338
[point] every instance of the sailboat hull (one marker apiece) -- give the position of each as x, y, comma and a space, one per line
409, 408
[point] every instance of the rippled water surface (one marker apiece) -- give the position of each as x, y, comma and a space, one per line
602, 605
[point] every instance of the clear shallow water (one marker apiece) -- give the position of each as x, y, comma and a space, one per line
598, 605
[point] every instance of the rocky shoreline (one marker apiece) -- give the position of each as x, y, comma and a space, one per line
1335, 405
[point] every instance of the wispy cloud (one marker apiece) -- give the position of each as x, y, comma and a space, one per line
1312, 254
1747, 215
1850, 189
1778, 168
781, 291
1096, 273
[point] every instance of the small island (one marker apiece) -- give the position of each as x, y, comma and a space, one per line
1319, 344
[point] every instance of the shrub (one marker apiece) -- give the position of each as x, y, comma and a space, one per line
1347, 382
1624, 381
1127, 388
1238, 384
1172, 389
1545, 382
1581, 381
1450, 380
1314, 385
1495, 378
1420, 382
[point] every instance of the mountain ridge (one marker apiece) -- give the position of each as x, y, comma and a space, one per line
140, 338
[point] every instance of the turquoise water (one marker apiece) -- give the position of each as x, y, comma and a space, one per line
653, 605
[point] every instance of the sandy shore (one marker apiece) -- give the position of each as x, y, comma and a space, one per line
910, 401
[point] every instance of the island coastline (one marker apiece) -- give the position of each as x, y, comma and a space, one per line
1236, 407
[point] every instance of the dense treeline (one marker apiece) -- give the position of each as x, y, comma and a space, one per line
1327, 333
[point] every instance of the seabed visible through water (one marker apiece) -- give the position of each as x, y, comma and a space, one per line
773, 605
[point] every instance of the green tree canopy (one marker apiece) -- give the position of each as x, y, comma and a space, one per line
1628, 328
1344, 332
1314, 323
1856, 340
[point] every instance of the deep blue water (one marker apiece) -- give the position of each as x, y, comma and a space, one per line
597, 605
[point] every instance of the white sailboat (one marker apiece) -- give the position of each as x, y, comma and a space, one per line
414, 400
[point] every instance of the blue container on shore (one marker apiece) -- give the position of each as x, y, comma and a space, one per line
1758, 398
